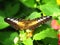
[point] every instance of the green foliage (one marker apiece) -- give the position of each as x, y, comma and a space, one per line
28, 9
6, 38
2, 23
28, 3
46, 33
50, 8
28, 41
34, 15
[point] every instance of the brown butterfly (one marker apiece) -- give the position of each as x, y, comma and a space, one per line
19, 24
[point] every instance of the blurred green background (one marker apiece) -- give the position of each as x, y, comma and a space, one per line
29, 9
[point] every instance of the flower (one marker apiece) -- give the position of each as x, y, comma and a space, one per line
55, 24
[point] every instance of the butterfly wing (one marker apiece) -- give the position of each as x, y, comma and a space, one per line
15, 23
36, 22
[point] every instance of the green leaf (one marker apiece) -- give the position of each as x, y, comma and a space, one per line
7, 38
49, 9
45, 33
28, 3
28, 41
51, 41
2, 23
34, 15
47, 1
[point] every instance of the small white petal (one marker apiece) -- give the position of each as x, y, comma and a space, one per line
16, 40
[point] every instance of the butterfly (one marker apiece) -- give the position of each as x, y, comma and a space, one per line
22, 24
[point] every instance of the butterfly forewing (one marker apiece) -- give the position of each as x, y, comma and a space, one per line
14, 22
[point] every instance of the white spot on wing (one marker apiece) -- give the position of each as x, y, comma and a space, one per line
15, 21
48, 16
12, 19
8, 18
44, 18
40, 20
